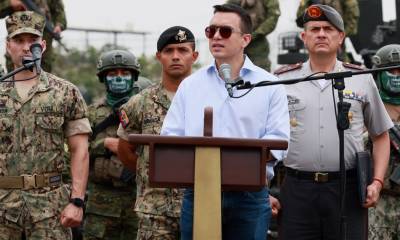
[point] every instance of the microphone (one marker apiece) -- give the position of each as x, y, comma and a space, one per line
225, 73
36, 50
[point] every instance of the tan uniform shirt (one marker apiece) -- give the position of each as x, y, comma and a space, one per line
314, 141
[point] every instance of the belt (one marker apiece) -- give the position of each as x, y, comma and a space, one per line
26, 182
320, 177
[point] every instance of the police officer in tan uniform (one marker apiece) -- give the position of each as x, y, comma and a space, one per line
310, 193
38, 113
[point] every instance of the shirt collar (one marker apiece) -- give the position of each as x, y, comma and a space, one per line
247, 67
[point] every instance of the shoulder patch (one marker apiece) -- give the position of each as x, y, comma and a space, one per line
352, 66
288, 68
123, 118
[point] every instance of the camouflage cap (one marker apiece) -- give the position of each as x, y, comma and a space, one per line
25, 22
176, 34
319, 12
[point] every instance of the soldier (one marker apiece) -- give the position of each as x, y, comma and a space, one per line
112, 189
310, 198
53, 10
158, 209
384, 219
264, 16
38, 112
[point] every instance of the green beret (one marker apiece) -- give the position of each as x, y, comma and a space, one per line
173, 35
25, 22
319, 12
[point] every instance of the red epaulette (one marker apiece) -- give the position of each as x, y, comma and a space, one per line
288, 68
352, 66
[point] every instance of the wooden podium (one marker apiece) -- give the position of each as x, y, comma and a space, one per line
210, 165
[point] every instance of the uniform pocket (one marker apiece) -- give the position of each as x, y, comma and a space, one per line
46, 205
6, 133
49, 132
50, 122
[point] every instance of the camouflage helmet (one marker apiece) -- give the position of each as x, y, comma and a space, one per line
388, 55
117, 59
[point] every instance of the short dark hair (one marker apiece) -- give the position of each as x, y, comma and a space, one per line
245, 20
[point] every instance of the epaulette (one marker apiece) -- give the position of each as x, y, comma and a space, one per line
352, 66
288, 68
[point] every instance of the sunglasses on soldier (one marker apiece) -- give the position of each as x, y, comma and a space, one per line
224, 31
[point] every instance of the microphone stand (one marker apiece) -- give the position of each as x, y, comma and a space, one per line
342, 120
27, 65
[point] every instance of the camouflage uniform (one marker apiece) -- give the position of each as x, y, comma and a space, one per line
384, 219
54, 11
264, 16
158, 209
109, 212
32, 135
348, 9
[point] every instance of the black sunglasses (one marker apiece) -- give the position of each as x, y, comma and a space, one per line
224, 31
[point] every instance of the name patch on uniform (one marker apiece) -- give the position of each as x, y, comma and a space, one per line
123, 118
147, 119
358, 96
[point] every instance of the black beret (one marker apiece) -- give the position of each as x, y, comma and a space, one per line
319, 12
176, 34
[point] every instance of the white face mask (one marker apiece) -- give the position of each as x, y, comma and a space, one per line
120, 83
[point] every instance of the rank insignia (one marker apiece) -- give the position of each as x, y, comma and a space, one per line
181, 36
123, 118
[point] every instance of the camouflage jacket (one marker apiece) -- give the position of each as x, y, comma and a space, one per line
53, 10
264, 14
105, 167
146, 112
32, 135
347, 8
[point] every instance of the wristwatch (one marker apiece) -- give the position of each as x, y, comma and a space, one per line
78, 202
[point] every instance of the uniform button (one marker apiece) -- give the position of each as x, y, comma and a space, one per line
321, 108
321, 146
321, 127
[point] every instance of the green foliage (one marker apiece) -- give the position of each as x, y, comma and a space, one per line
79, 67
150, 68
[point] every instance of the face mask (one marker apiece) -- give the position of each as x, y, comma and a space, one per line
390, 82
119, 83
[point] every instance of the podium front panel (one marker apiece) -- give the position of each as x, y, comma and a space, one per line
243, 168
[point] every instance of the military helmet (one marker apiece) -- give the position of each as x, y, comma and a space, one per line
388, 55
117, 59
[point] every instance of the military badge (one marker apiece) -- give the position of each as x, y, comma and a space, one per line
181, 36
314, 12
123, 118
